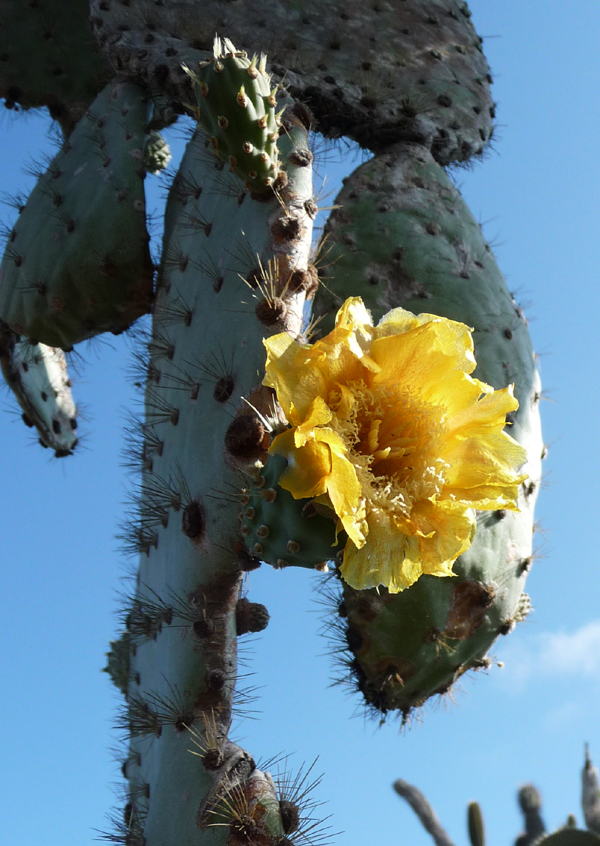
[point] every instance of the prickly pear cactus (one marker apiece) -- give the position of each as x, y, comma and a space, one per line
59, 283
409, 82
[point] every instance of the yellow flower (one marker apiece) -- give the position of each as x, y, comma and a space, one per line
391, 431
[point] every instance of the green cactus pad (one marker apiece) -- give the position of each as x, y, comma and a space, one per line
237, 110
77, 262
284, 531
37, 376
403, 236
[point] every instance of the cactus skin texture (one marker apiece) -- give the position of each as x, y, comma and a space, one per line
60, 284
216, 238
409, 71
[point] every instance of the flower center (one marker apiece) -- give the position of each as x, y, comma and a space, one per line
395, 441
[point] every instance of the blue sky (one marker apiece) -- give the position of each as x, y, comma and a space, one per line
538, 196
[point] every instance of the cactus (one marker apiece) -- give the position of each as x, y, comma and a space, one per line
403, 235
530, 803
236, 109
236, 275
38, 378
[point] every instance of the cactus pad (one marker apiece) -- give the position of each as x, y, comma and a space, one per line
284, 531
404, 236
49, 57
413, 71
77, 261
37, 376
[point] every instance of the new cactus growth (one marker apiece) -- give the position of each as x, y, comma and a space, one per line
237, 110
300, 455
285, 531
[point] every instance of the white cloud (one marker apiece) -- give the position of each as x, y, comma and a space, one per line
552, 656
577, 653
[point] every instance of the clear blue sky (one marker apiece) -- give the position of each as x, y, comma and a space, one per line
539, 194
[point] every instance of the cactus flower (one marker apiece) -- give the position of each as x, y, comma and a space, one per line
388, 428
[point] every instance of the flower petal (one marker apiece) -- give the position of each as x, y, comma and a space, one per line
319, 414
388, 558
483, 472
308, 467
345, 492
446, 531
392, 431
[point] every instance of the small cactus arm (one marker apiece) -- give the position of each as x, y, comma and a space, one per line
590, 794
475, 825
38, 378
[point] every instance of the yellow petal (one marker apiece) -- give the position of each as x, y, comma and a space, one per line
388, 558
484, 414
308, 467
447, 530
345, 492
416, 360
319, 414
290, 374
483, 471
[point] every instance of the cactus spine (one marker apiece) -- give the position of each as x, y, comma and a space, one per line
414, 89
